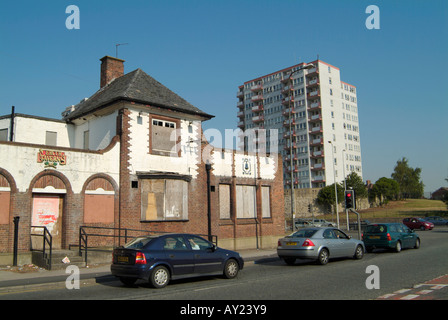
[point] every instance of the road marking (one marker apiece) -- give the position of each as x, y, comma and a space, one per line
386, 296
439, 286
425, 291
409, 297
402, 291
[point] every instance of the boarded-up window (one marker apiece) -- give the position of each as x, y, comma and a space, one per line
245, 202
98, 208
164, 199
51, 138
3, 134
224, 201
163, 137
86, 140
4, 207
265, 202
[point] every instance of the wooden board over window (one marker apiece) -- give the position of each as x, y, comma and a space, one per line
224, 201
245, 202
164, 199
164, 137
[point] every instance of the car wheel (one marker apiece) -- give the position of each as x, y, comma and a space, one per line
398, 246
128, 281
323, 256
160, 277
290, 261
417, 243
359, 252
231, 269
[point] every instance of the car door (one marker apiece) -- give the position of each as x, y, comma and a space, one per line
332, 242
178, 254
206, 258
405, 235
346, 247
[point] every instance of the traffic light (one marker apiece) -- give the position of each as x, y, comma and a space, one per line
349, 199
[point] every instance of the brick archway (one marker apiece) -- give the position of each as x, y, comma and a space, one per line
8, 189
100, 200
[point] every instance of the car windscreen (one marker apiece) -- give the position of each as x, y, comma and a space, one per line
138, 243
304, 233
376, 228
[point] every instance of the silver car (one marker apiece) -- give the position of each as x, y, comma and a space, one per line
319, 244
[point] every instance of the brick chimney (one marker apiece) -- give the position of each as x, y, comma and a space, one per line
111, 68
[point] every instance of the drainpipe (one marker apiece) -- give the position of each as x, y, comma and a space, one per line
209, 213
16, 240
11, 134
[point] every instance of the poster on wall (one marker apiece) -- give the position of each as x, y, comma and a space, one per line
45, 212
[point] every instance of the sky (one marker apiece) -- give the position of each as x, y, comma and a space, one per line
203, 50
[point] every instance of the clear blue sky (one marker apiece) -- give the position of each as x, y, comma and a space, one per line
203, 50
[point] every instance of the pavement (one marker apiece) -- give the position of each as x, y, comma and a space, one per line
29, 275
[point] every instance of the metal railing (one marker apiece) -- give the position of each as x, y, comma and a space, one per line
47, 238
119, 233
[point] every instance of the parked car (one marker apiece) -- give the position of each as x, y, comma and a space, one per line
319, 244
354, 224
394, 236
438, 221
321, 223
159, 259
418, 223
299, 223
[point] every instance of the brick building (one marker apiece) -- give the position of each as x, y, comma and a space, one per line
132, 156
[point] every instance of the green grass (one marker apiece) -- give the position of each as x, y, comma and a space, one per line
407, 208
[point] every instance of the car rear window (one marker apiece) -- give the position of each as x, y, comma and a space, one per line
138, 243
376, 228
304, 233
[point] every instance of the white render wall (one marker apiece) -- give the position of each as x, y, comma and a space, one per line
21, 163
141, 160
246, 165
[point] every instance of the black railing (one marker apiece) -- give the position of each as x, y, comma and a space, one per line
47, 239
119, 233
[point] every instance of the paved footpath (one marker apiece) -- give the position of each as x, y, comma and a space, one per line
436, 289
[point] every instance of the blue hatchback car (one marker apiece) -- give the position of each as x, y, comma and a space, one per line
159, 259
395, 236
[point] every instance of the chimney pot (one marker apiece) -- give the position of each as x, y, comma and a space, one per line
111, 68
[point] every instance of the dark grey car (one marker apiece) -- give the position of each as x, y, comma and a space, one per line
319, 244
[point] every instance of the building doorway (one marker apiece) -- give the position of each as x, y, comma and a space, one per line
48, 212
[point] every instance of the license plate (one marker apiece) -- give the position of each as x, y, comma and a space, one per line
122, 259
374, 237
291, 243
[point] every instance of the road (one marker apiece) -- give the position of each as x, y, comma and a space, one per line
272, 279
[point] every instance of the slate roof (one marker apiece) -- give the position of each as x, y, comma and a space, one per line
139, 87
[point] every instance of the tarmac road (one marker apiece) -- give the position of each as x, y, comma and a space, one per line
268, 278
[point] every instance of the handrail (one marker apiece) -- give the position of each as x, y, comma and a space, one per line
46, 238
83, 236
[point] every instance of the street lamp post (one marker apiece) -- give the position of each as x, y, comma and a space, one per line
335, 186
345, 187
291, 161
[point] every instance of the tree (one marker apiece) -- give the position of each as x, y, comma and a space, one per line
355, 182
326, 195
385, 189
408, 179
